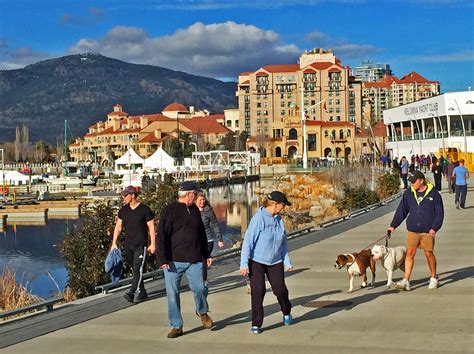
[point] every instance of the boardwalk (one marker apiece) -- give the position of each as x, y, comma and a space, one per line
374, 319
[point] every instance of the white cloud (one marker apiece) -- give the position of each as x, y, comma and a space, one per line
94, 15
351, 50
19, 57
315, 36
463, 56
216, 50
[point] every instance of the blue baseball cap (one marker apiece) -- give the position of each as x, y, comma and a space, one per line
188, 186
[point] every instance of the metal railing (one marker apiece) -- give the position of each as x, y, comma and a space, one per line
48, 304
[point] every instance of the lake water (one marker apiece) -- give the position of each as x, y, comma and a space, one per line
33, 251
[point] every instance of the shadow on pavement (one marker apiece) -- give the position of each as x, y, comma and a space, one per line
268, 310
235, 281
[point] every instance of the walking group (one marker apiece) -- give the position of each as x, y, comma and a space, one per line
187, 230
185, 236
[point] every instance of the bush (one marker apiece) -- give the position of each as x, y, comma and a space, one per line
86, 246
388, 184
357, 198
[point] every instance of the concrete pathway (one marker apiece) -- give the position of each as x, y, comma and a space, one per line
374, 319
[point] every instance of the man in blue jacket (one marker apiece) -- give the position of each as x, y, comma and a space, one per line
423, 207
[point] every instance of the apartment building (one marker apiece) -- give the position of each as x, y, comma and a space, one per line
110, 139
369, 71
392, 92
274, 99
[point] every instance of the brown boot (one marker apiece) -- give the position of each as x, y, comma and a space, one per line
175, 333
206, 320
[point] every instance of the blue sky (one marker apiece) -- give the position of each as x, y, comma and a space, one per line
222, 38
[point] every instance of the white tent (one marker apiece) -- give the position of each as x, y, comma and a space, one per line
121, 164
14, 178
160, 160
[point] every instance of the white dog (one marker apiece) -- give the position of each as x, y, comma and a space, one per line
391, 259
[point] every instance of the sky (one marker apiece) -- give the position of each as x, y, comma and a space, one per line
221, 38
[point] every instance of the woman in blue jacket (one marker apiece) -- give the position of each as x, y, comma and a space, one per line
265, 252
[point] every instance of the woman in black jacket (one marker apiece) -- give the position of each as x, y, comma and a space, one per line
437, 170
213, 232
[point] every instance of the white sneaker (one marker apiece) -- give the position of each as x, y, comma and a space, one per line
433, 283
403, 285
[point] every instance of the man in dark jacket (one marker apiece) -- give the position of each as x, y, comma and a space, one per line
181, 249
423, 207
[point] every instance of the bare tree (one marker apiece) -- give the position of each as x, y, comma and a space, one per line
22, 145
41, 151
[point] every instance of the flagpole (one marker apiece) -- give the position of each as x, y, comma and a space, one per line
303, 123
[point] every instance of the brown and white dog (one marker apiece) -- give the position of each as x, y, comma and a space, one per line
356, 265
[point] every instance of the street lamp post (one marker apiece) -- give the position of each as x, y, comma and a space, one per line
3, 173
374, 156
462, 123
129, 161
441, 127
419, 132
303, 123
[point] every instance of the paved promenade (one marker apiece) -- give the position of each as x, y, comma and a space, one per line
373, 319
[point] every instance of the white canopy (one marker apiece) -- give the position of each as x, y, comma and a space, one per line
121, 164
160, 160
15, 178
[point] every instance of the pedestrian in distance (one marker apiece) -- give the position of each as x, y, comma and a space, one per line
138, 221
437, 171
423, 209
449, 175
181, 249
265, 252
460, 176
213, 231
404, 171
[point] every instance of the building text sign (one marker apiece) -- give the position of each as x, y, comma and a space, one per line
421, 108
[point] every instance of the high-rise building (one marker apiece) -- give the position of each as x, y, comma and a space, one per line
369, 71
274, 99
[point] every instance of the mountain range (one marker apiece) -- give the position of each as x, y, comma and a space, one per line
83, 88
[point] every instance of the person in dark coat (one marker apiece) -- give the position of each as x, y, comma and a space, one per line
422, 207
437, 170
213, 232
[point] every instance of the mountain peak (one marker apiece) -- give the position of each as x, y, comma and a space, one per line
83, 87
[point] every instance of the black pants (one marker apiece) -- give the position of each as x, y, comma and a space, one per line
438, 183
136, 257
275, 275
460, 197
210, 247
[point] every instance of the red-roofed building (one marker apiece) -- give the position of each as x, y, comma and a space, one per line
392, 92
272, 98
109, 140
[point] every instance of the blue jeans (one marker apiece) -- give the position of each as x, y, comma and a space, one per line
460, 196
173, 277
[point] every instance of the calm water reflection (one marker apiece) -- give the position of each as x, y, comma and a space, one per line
33, 251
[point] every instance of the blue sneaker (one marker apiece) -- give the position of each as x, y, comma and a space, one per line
287, 319
255, 330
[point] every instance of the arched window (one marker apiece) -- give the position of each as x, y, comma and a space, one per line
341, 134
278, 151
349, 133
333, 135
292, 134
326, 133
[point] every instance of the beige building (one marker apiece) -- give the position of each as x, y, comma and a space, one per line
108, 140
272, 98
392, 92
